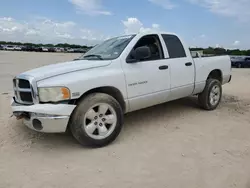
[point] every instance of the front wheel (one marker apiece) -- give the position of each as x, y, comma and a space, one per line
210, 98
97, 120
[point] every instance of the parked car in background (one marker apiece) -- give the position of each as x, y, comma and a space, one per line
59, 49
38, 49
76, 50
9, 47
17, 48
90, 95
79, 50
240, 62
28, 48
70, 50
51, 49
44, 49
1, 47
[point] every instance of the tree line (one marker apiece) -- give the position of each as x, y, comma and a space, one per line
61, 45
222, 51
209, 50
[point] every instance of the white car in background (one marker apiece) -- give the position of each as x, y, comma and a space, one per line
70, 50
45, 49
17, 48
59, 49
9, 47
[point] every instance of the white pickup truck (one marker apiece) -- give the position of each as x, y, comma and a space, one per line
90, 95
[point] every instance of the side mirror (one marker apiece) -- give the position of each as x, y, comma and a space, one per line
139, 54
142, 52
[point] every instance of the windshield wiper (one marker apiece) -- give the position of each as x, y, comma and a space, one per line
94, 55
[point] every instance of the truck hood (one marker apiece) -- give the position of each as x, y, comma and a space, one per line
63, 68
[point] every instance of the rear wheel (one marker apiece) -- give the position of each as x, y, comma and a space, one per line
210, 98
97, 120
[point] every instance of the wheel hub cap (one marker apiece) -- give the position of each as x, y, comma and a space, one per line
100, 121
214, 95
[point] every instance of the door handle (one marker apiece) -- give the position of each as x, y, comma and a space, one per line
188, 64
163, 67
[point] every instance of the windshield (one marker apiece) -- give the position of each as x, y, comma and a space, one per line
109, 49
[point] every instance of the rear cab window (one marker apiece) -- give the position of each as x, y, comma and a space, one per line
174, 46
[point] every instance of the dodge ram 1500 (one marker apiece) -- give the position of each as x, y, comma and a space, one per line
90, 95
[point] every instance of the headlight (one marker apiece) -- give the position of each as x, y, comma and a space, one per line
53, 94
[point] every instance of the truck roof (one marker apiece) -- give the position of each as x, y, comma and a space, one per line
155, 32
141, 33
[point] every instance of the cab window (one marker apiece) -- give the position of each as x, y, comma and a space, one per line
174, 46
154, 45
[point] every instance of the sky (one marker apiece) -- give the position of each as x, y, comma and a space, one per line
201, 23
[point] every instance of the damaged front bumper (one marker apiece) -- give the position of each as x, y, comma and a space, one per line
48, 118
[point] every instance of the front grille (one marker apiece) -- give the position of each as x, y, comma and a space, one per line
23, 83
25, 96
23, 91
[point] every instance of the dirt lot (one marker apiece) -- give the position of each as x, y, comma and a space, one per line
170, 145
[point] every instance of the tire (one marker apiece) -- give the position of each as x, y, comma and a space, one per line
239, 65
97, 120
204, 98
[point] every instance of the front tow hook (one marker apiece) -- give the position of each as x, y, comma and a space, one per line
20, 115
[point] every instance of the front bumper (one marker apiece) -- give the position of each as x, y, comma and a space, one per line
47, 118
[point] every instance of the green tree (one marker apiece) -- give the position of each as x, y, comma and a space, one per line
248, 52
209, 50
235, 52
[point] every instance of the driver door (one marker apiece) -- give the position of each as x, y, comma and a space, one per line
148, 80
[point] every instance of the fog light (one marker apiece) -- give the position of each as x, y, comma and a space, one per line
37, 124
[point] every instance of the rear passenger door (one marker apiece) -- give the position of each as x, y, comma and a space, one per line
182, 70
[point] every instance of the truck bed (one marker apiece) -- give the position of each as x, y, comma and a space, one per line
204, 65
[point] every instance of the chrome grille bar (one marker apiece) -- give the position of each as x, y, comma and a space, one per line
32, 90
17, 92
23, 90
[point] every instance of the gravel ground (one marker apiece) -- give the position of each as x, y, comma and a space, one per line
170, 145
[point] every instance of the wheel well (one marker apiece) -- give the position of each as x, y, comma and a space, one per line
112, 91
215, 74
